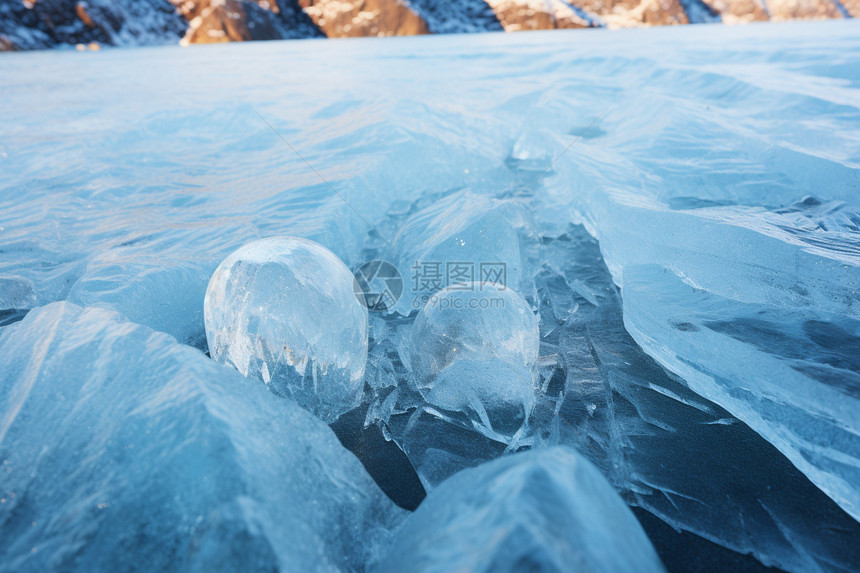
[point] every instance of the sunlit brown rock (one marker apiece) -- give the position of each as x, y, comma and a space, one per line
853, 7
81, 11
738, 11
351, 18
516, 15
632, 13
802, 9
213, 21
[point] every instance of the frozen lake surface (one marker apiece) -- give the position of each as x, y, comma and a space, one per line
680, 208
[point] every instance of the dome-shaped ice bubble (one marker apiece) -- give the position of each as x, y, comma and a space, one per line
283, 310
475, 350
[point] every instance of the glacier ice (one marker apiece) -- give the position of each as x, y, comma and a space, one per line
546, 510
724, 197
475, 350
283, 310
121, 448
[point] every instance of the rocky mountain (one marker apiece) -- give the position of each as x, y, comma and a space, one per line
35, 24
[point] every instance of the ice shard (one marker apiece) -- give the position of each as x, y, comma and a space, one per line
121, 447
757, 310
546, 510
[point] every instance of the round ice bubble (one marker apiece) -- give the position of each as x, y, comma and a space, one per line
283, 310
475, 350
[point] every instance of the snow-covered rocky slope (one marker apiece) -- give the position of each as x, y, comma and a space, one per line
32, 24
